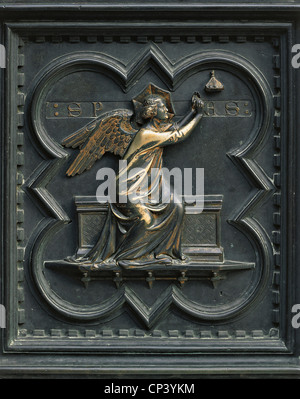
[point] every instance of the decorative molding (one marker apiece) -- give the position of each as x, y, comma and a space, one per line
173, 75
37, 183
277, 182
20, 180
103, 38
104, 334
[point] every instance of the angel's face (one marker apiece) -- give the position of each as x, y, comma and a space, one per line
162, 110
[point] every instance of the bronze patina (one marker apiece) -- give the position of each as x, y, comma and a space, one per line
141, 231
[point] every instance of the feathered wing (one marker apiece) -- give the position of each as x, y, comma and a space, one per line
78, 138
112, 132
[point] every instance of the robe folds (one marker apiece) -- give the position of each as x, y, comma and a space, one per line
144, 224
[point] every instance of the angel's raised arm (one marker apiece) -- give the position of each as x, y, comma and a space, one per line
184, 128
180, 133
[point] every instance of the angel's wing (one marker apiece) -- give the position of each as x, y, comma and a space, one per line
111, 132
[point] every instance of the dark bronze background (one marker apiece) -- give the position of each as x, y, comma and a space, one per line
65, 66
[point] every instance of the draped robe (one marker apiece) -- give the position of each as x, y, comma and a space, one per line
147, 228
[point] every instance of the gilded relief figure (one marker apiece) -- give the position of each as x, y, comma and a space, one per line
145, 229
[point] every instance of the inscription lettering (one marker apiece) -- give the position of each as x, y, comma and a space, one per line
232, 108
92, 109
97, 107
74, 110
209, 108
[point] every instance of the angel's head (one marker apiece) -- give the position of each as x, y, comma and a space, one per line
154, 107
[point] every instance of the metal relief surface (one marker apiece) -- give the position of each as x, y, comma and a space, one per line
225, 285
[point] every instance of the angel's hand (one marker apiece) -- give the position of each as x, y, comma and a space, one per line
197, 103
